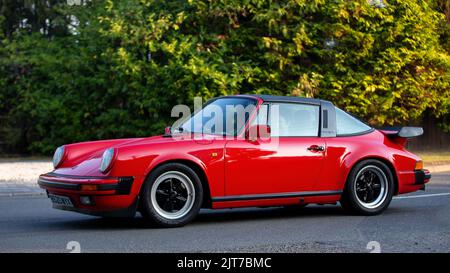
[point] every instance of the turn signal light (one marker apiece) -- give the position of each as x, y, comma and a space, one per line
419, 165
88, 187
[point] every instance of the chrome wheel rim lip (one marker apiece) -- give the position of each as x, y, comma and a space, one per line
189, 203
383, 187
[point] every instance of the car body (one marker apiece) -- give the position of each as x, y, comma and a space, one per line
313, 157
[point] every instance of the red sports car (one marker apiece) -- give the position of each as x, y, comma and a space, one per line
286, 151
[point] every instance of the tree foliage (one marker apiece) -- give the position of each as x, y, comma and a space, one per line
116, 68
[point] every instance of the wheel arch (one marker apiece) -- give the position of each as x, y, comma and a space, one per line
387, 162
207, 200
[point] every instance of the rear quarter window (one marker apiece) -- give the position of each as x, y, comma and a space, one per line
346, 124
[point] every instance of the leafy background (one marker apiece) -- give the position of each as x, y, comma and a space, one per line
80, 70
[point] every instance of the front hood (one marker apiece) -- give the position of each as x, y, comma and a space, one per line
83, 159
88, 167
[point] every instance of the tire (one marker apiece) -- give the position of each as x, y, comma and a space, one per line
172, 195
369, 188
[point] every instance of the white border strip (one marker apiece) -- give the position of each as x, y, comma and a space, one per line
423, 195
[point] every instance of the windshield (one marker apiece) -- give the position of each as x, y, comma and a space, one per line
223, 116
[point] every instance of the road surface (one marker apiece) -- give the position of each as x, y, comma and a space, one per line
418, 222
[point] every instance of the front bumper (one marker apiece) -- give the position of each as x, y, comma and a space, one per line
111, 196
101, 185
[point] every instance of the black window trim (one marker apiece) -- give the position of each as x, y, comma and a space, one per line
269, 104
357, 134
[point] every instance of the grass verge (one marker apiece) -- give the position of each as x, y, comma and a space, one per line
434, 157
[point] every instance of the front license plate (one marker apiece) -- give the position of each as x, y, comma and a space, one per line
60, 200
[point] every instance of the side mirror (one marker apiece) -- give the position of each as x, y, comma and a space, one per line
258, 132
168, 131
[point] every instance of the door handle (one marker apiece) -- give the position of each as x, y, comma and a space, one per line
316, 148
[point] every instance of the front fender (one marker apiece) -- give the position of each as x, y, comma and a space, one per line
141, 159
162, 158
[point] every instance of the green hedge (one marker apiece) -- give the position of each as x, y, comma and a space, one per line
121, 69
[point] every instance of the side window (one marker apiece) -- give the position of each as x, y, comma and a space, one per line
262, 116
348, 125
293, 119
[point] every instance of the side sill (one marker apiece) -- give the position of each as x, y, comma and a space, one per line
274, 196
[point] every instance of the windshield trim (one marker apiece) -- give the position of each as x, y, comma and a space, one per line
224, 134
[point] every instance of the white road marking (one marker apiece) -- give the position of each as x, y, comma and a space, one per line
423, 195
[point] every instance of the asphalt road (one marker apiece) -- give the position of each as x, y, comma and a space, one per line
418, 223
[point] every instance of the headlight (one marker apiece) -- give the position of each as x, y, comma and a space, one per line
58, 156
107, 158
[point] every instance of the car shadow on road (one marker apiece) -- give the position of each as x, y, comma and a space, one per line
251, 214
210, 217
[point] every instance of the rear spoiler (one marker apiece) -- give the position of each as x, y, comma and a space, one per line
403, 132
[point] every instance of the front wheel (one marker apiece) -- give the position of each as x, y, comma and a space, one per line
369, 188
172, 195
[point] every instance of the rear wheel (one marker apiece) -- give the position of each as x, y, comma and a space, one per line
369, 188
172, 195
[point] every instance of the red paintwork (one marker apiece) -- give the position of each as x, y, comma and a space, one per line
238, 167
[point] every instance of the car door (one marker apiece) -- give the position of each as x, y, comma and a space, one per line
290, 162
